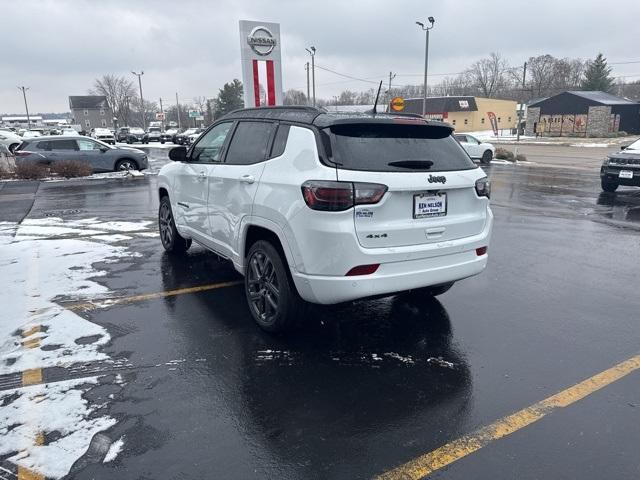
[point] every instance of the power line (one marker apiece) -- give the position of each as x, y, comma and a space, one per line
347, 76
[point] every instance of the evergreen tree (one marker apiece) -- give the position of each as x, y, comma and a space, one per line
229, 98
596, 76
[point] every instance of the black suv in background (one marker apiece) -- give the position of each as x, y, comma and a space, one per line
621, 168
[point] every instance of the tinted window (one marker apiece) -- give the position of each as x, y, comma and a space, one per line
373, 146
89, 145
280, 142
64, 145
250, 143
209, 146
43, 145
461, 138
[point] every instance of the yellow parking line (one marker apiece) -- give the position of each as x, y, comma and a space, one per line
31, 377
463, 446
107, 302
26, 474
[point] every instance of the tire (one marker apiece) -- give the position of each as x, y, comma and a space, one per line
162, 142
608, 186
171, 240
13, 146
486, 158
432, 291
272, 297
125, 164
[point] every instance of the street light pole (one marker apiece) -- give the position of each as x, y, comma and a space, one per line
26, 107
178, 110
139, 75
426, 61
312, 52
306, 67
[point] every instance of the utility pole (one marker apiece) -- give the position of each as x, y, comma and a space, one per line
144, 120
426, 61
524, 79
312, 52
178, 110
26, 107
306, 67
391, 77
162, 112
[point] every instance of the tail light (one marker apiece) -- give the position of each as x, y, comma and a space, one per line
483, 187
333, 196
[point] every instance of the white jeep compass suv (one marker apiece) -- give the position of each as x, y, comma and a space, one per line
326, 208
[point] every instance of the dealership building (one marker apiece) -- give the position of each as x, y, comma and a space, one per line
582, 114
467, 113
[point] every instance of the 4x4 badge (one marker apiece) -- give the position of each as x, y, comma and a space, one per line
437, 179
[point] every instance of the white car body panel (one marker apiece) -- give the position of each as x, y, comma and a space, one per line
474, 147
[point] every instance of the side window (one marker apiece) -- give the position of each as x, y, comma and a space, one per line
280, 142
88, 145
64, 145
208, 148
250, 143
461, 138
43, 145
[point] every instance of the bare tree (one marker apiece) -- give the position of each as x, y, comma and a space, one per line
488, 74
294, 97
120, 92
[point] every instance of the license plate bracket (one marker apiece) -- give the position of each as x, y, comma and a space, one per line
429, 205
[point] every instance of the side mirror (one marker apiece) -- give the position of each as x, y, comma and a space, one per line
623, 147
178, 154
104, 149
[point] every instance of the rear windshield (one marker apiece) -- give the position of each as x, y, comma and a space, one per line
373, 147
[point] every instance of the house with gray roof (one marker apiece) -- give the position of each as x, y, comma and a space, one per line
91, 111
582, 114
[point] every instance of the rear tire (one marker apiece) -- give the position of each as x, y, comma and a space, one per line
486, 158
125, 164
608, 186
272, 297
432, 291
171, 240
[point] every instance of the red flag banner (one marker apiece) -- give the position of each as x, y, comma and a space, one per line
494, 122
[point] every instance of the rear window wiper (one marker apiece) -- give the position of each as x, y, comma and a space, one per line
413, 164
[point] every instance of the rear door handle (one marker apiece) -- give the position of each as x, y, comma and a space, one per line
202, 175
247, 179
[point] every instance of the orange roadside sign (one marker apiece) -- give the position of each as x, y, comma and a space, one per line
397, 104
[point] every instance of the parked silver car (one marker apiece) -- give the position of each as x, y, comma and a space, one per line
101, 157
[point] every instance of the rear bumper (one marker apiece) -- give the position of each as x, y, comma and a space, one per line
391, 278
401, 268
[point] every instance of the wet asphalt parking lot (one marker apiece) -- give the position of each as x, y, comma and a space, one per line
358, 390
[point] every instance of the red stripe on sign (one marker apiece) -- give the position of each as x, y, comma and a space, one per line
256, 84
271, 85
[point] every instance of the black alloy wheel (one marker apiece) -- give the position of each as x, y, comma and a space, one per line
171, 240
273, 299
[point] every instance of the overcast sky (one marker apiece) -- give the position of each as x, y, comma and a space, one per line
58, 47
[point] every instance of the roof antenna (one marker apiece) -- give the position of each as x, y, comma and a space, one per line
375, 104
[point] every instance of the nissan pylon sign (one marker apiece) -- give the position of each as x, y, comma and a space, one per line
260, 50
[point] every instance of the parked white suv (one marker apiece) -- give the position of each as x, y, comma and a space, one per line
327, 208
476, 149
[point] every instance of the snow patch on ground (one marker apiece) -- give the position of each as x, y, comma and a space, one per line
36, 333
593, 145
31, 412
114, 450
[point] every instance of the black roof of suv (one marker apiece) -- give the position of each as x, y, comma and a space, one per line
321, 118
